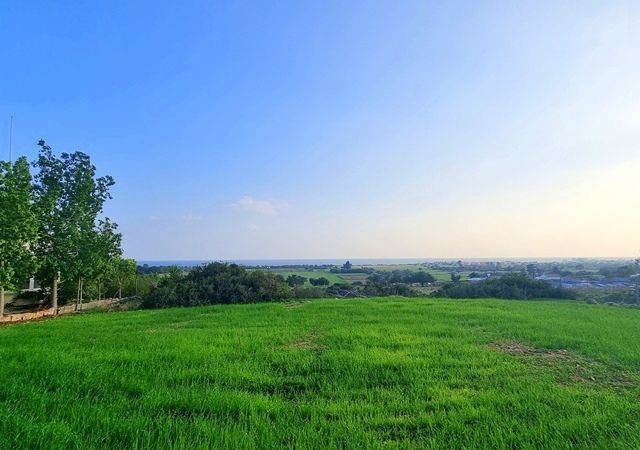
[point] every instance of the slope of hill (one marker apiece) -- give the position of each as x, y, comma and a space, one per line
415, 373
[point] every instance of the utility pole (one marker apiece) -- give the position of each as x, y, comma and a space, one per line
638, 280
10, 138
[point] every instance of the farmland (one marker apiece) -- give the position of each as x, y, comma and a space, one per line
332, 277
382, 372
439, 275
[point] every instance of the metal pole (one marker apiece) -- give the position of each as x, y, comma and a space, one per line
638, 281
10, 138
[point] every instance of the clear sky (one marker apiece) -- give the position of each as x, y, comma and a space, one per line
322, 129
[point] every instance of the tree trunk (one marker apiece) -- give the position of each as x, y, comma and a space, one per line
54, 295
1, 301
119, 290
81, 292
78, 294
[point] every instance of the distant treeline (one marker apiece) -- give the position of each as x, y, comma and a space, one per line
511, 286
618, 272
231, 283
306, 267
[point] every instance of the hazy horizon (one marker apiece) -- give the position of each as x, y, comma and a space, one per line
367, 129
366, 261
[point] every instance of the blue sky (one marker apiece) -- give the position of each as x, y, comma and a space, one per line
341, 129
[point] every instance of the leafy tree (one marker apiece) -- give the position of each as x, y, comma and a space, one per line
455, 277
123, 270
322, 281
294, 280
347, 265
69, 199
18, 228
421, 277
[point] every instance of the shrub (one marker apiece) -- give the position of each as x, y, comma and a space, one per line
217, 283
513, 285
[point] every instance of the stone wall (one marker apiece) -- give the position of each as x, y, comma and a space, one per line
68, 309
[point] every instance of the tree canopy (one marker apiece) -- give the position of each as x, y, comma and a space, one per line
18, 226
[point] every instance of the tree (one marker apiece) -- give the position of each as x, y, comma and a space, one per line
17, 226
322, 281
72, 240
421, 277
123, 269
532, 270
347, 265
106, 250
294, 280
455, 277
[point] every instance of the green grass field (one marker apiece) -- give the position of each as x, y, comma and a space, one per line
390, 373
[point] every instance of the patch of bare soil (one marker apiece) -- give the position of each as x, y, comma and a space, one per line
516, 348
569, 367
309, 341
180, 324
294, 304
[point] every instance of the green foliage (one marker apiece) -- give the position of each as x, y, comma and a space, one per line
401, 276
295, 280
618, 272
511, 286
322, 281
69, 198
366, 373
18, 227
122, 270
217, 283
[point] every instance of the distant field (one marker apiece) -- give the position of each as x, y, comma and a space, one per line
362, 277
352, 277
365, 373
332, 277
439, 275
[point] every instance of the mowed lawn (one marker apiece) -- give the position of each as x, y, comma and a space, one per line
377, 373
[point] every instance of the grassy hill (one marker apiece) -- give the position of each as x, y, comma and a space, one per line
411, 373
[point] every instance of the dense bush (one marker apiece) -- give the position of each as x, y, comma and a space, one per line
322, 281
217, 283
620, 297
513, 285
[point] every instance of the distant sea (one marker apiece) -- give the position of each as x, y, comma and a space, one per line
319, 262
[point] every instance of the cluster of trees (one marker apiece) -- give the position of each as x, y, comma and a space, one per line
230, 283
294, 280
322, 281
52, 227
512, 286
402, 276
217, 283
625, 271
